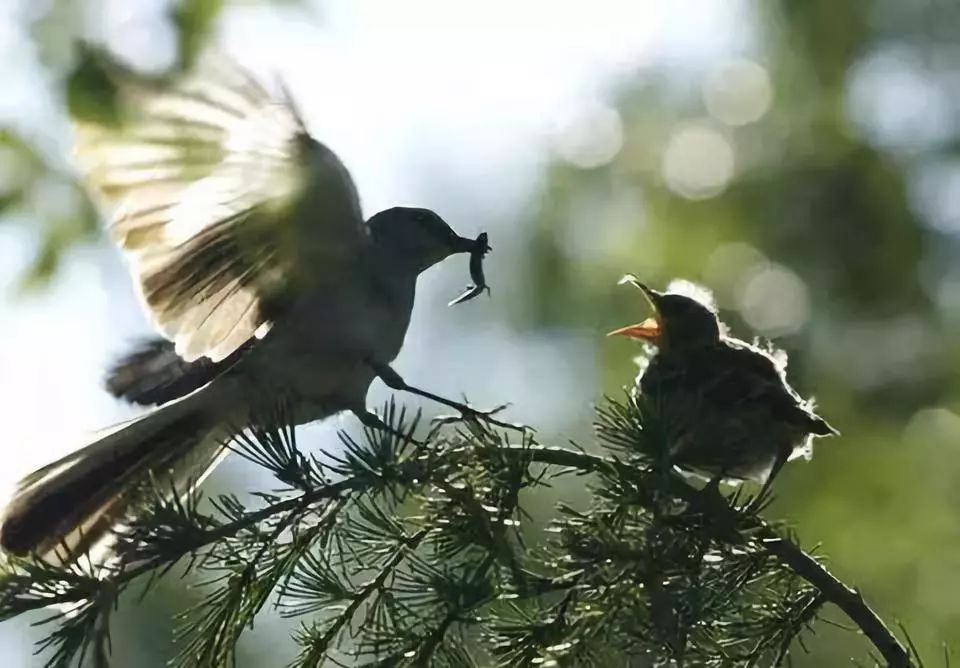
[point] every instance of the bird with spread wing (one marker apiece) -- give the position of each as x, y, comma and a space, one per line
246, 241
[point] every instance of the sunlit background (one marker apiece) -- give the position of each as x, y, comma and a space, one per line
799, 157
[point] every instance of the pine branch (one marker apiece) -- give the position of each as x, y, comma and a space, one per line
831, 588
317, 642
844, 597
402, 552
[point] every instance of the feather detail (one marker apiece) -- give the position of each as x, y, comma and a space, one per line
152, 373
223, 202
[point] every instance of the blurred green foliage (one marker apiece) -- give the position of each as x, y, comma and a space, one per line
816, 192
194, 20
90, 90
31, 181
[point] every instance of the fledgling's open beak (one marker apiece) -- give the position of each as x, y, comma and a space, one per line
649, 330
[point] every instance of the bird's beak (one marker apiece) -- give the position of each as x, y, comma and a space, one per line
464, 245
648, 330
651, 329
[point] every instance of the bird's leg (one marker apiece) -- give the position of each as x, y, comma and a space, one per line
394, 381
710, 493
373, 421
712, 487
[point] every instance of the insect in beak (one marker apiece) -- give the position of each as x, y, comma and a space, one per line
478, 248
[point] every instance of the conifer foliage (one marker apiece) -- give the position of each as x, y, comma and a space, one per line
412, 547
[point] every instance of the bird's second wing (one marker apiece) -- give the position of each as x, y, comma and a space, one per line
152, 373
225, 204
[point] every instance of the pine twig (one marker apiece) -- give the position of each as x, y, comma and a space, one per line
849, 600
655, 566
841, 595
407, 546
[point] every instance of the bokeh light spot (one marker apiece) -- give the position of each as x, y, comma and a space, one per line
738, 92
935, 194
897, 102
933, 425
698, 162
592, 138
774, 300
727, 266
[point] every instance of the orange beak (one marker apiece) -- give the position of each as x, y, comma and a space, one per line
649, 330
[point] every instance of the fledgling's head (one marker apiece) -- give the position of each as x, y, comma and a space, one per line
679, 322
417, 237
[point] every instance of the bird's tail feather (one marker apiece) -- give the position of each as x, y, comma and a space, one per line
71, 507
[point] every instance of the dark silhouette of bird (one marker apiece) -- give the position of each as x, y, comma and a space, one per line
729, 410
247, 243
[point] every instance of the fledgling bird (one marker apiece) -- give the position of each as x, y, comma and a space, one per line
732, 413
254, 262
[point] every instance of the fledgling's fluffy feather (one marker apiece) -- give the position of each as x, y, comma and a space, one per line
729, 401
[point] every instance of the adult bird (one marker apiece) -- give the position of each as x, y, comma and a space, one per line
248, 247
726, 404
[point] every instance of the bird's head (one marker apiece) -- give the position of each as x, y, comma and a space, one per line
678, 322
417, 237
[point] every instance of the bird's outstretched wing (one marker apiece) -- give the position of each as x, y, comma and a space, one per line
225, 204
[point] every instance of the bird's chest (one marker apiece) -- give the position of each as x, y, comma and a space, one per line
322, 345
366, 318
718, 413
701, 398
674, 377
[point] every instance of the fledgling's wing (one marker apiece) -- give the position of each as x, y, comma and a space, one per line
747, 374
225, 204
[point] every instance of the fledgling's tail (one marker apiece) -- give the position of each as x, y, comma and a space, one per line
71, 507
